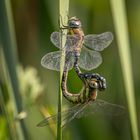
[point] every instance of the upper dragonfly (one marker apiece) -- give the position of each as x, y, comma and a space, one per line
80, 49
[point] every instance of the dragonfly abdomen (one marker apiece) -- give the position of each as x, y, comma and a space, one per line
81, 97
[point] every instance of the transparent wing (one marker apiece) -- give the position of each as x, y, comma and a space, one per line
71, 41
89, 59
101, 107
66, 116
98, 42
47, 121
52, 60
84, 110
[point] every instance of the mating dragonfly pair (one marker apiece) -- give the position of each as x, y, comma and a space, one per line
80, 51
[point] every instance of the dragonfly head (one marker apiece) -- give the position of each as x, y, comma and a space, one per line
95, 81
74, 22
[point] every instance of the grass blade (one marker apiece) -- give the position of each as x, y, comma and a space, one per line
63, 11
121, 28
9, 49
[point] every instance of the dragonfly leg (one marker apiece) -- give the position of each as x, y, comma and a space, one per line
63, 26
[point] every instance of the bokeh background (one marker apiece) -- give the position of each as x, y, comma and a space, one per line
34, 21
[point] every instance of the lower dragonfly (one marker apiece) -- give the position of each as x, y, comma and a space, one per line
86, 102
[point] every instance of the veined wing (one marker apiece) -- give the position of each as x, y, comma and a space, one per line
101, 107
83, 110
52, 60
89, 59
67, 116
71, 40
98, 42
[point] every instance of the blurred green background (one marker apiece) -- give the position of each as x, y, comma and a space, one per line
34, 21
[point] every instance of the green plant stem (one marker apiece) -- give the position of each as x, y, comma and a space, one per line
63, 18
120, 22
5, 113
9, 49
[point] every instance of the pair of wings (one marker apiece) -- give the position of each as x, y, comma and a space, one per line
83, 110
89, 59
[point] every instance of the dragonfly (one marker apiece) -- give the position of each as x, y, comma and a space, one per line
81, 50
86, 102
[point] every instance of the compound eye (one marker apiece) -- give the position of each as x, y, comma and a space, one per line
77, 23
74, 23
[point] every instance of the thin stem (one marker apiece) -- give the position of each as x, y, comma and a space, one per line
9, 49
120, 22
5, 113
63, 11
